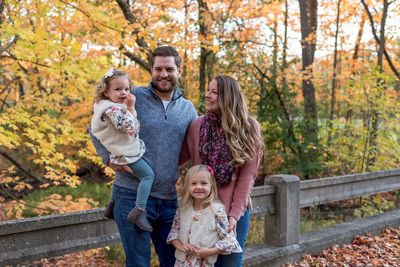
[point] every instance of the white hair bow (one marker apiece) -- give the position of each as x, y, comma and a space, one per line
109, 73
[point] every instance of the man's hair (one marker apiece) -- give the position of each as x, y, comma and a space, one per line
166, 51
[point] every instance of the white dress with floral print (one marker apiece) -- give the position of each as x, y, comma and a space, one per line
227, 241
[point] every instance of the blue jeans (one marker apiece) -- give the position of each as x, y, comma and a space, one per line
145, 174
235, 259
136, 243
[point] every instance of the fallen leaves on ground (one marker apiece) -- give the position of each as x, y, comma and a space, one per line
367, 250
91, 258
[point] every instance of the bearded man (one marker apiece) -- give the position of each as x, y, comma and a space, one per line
164, 116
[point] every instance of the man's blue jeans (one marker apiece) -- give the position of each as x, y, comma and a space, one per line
235, 259
136, 243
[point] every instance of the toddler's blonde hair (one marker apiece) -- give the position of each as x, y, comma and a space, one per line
104, 84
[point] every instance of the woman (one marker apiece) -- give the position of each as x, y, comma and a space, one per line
229, 140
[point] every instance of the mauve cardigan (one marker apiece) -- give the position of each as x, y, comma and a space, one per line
235, 195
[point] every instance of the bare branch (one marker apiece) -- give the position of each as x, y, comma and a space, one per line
5, 191
16, 164
87, 15
371, 21
261, 72
24, 60
138, 60
124, 5
10, 44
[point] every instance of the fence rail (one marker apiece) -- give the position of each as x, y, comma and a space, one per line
324, 190
279, 201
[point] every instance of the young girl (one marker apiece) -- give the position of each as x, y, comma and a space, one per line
115, 124
199, 230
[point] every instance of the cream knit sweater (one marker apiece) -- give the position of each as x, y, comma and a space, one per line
116, 142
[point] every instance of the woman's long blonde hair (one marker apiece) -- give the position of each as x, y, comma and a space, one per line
187, 200
242, 137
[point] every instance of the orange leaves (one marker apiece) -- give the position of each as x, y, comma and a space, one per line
367, 250
57, 204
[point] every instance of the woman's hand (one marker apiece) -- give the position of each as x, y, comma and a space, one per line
202, 253
232, 225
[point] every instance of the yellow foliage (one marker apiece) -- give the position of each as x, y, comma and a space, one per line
14, 209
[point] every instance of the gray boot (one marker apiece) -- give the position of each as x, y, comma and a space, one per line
138, 216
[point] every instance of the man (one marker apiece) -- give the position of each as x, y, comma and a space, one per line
164, 116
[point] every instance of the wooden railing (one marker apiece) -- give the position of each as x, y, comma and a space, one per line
279, 201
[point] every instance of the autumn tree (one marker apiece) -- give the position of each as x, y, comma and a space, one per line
371, 157
51, 66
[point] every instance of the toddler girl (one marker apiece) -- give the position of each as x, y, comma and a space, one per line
115, 124
199, 230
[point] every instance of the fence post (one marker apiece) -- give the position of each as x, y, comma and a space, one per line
283, 228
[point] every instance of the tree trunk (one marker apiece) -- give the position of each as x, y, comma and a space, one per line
349, 113
379, 84
206, 55
308, 16
308, 21
333, 93
183, 79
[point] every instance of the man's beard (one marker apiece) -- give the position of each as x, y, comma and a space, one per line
164, 90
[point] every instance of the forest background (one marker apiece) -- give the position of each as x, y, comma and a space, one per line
321, 77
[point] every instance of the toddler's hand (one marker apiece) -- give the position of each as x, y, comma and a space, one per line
130, 101
189, 248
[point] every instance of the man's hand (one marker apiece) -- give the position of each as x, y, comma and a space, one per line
120, 168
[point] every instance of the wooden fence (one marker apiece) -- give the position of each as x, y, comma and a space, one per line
279, 201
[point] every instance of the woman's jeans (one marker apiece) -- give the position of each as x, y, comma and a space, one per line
136, 243
235, 259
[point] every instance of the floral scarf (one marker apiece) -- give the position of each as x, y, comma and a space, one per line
214, 150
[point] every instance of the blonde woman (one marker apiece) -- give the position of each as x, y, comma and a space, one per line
228, 139
199, 230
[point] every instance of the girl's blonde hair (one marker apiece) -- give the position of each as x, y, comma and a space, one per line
242, 137
105, 82
187, 200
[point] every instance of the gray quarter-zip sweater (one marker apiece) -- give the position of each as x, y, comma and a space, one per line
162, 131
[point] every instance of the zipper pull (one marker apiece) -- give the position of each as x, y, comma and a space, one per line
165, 115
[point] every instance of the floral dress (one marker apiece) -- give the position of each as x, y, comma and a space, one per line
227, 241
124, 121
